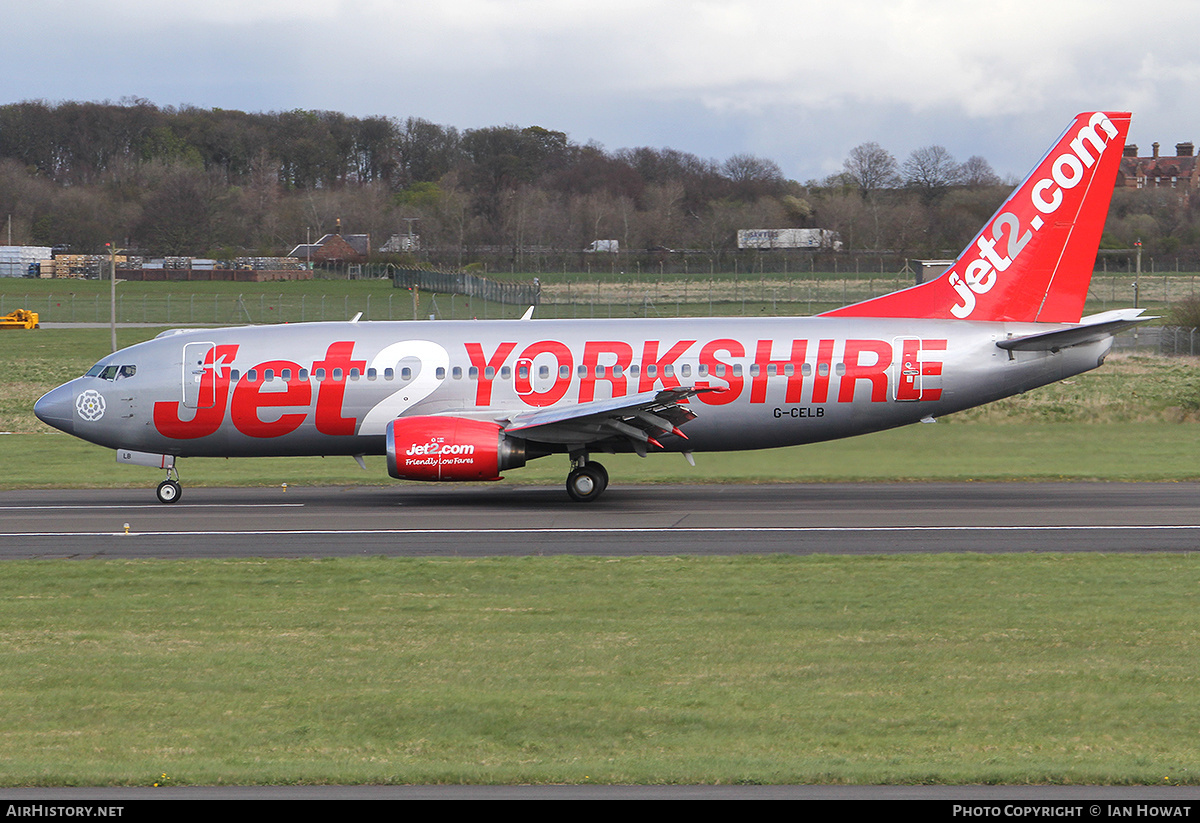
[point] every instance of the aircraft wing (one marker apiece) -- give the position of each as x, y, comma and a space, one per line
639, 419
1090, 329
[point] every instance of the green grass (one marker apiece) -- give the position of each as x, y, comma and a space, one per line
570, 295
953, 669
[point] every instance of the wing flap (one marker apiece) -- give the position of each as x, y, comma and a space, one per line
639, 419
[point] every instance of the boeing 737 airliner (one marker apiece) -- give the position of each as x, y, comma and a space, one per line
467, 400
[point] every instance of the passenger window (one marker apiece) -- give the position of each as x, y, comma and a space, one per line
319, 374
440, 373
457, 372
473, 373
564, 371
406, 373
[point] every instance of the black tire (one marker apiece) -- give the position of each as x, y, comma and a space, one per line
586, 483
169, 491
603, 472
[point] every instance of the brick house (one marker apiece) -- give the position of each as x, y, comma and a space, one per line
1179, 172
335, 248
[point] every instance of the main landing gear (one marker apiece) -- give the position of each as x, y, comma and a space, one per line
586, 481
169, 490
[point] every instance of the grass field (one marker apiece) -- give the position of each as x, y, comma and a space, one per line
1023, 668
917, 669
564, 295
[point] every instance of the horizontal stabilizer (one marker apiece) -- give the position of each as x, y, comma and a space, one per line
1090, 329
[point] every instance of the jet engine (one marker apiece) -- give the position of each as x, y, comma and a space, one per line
450, 448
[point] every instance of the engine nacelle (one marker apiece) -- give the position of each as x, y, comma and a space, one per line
450, 448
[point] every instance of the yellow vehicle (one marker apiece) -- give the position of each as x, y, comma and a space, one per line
20, 319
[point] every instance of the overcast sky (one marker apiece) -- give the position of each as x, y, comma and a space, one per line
800, 82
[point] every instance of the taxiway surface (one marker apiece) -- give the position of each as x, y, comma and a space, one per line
408, 520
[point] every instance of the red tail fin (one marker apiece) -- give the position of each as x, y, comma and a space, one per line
1033, 260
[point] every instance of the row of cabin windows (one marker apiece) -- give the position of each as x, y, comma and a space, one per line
543, 372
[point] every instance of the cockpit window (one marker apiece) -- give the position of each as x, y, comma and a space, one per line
111, 372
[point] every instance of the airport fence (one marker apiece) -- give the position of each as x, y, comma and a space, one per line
563, 297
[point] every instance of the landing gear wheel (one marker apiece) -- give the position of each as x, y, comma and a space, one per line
603, 472
586, 483
169, 491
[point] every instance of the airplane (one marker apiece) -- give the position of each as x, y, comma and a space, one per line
467, 400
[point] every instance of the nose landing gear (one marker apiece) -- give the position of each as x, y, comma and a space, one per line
169, 490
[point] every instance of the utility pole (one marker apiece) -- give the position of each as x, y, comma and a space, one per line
112, 280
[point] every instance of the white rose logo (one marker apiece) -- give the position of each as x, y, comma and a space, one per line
90, 405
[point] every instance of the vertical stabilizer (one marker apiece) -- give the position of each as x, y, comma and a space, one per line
1033, 260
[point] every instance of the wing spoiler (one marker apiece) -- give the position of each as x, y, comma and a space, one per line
1090, 330
638, 419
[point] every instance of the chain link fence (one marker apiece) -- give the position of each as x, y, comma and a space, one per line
567, 298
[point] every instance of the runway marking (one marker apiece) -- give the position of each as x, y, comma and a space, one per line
174, 507
674, 530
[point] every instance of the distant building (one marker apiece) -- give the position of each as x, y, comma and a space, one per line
401, 243
1157, 172
335, 248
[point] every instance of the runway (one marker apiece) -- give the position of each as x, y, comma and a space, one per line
477, 521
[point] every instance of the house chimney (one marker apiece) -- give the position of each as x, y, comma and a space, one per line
1184, 149
1131, 149
1153, 145
338, 230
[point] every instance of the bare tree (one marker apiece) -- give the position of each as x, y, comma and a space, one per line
931, 169
978, 172
870, 167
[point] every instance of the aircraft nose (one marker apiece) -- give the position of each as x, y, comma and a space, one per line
57, 408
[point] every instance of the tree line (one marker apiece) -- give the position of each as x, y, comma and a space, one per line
225, 183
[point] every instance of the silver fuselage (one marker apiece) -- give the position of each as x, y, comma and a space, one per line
331, 388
